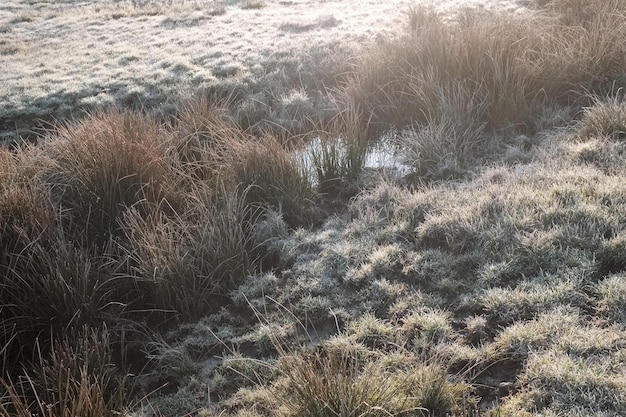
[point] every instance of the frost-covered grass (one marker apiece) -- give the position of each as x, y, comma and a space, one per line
239, 258
60, 58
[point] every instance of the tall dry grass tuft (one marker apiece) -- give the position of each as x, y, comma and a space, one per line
585, 52
204, 130
210, 146
187, 262
78, 379
339, 151
509, 65
404, 80
26, 216
578, 12
48, 283
605, 117
26, 212
324, 385
441, 150
51, 287
274, 178
105, 164
341, 383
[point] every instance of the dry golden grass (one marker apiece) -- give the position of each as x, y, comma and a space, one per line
106, 164
498, 70
78, 380
274, 178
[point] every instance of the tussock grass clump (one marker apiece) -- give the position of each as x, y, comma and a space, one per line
577, 12
209, 145
274, 178
384, 262
105, 164
578, 218
241, 371
204, 132
26, 210
324, 383
389, 212
77, 380
372, 332
588, 388
294, 111
26, 215
172, 363
542, 294
51, 287
606, 117
187, 262
426, 329
477, 65
441, 150
339, 152
612, 298
50, 283
520, 339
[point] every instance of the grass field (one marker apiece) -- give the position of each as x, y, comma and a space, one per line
62, 58
301, 208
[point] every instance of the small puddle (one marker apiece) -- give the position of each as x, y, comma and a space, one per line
385, 155
382, 156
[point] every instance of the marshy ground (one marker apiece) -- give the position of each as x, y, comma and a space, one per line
199, 232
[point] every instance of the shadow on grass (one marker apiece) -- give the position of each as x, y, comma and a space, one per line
35, 115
